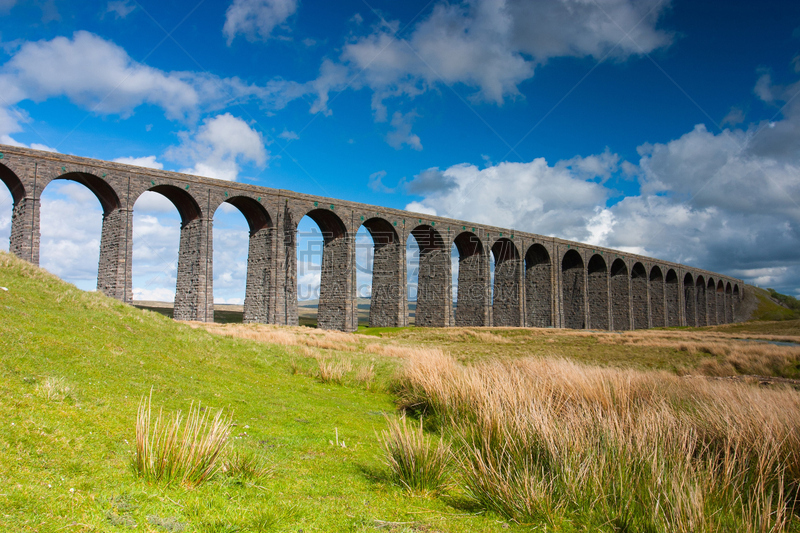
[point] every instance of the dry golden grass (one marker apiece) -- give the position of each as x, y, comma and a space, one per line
541, 438
285, 335
415, 461
333, 371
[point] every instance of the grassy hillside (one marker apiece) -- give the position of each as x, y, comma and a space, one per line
73, 367
309, 406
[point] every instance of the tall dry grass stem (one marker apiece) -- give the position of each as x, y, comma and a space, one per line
415, 461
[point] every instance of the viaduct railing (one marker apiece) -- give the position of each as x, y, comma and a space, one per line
538, 281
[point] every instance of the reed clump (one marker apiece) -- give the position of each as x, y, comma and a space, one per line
174, 449
548, 440
415, 461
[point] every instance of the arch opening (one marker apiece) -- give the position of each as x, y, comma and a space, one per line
243, 242
506, 310
639, 304
702, 304
471, 291
572, 290
432, 269
539, 287
620, 296
689, 300
379, 273
657, 290
598, 293
324, 270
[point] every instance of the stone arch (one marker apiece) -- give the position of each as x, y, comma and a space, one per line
719, 296
572, 290
506, 303
656, 290
194, 290
259, 294
620, 296
387, 306
711, 302
434, 285
473, 281
335, 309
689, 300
639, 305
702, 304
672, 299
14, 184
538, 287
112, 272
597, 293
728, 303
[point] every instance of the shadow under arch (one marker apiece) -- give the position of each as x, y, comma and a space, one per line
434, 284
572, 290
597, 293
336, 310
387, 306
259, 300
506, 300
702, 304
689, 300
620, 296
538, 287
14, 184
656, 288
472, 308
639, 305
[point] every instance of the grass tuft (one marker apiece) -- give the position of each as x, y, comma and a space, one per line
246, 466
55, 390
414, 460
170, 449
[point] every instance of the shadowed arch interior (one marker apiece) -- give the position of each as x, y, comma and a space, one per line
387, 306
597, 292
572, 288
434, 286
105, 193
473, 281
506, 310
672, 298
14, 184
657, 297
689, 300
639, 296
702, 304
538, 287
259, 296
620, 296
183, 201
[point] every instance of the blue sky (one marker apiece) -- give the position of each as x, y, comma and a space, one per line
665, 128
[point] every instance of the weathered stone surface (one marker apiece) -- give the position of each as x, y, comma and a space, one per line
555, 286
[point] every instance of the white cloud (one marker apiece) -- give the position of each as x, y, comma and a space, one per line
289, 135
256, 19
418, 207
401, 131
146, 161
219, 146
120, 8
100, 76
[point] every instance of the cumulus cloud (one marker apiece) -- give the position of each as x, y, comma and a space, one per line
100, 76
146, 161
728, 201
219, 146
256, 19
401, 131
120, 8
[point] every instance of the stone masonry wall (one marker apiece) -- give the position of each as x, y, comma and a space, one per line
639, 298
656, 289
434, 300
598, 297
334, 284
191, 302
472, 300
572, 296
538, 293
505, 305
386, 304
112, 272
260, 287
620, 308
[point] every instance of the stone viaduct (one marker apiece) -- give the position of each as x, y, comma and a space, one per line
538, 281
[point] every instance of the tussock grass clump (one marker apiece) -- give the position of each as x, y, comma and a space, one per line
171, 449
55, 389
414, 460
539, 439
246, 466
333, 371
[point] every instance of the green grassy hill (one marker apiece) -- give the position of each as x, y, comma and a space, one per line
74, 366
